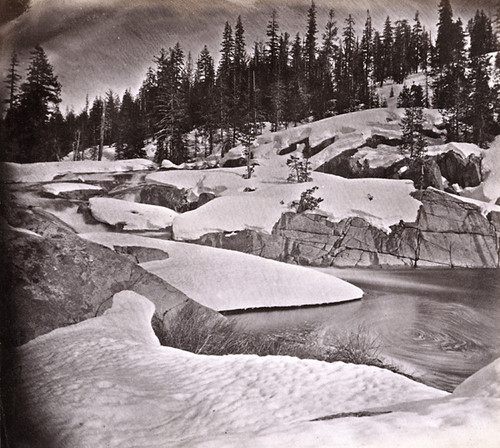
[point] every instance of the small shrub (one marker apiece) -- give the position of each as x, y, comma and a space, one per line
307, 201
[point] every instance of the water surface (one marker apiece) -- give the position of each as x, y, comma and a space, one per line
441, 325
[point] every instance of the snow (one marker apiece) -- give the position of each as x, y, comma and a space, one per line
63, 187
489, 189
108, 382
108, 153
131, 215
226, 280
463, 149
381, 202
47, 171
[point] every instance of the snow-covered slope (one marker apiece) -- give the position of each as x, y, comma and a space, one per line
131, 215
47, 171
226, 280
108, 382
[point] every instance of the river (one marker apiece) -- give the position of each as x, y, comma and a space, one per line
440, 325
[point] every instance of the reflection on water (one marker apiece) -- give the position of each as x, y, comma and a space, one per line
441, 325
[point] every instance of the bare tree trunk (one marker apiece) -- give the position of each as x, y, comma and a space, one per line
101, 140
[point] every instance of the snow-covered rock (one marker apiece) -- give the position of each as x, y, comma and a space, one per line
108, 382
381, 202
48, 171
226, 280
130, 215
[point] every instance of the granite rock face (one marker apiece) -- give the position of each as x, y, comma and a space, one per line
447, 232
54, 278
465, 172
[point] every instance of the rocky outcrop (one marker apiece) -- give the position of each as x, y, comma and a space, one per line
163, 195
447, 232
457, 170
54, 278
451, 166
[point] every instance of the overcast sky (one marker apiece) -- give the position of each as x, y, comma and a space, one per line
95, 45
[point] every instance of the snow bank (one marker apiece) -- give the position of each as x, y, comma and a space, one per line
227, 280
381, 202
462, 149
108, 153
63, 187
107, 382
131, 215
489, 189
47, 171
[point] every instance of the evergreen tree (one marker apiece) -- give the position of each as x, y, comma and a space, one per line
12, 80
366, 87
378, 59
482, 101
297, 96
310, 45
39, 98
388, 42
400, 56
111, 112
171, 124
130, 142
225, 83
273, 46
416, 43
204, 94
326, 68
482, 39
413, 142
446, 35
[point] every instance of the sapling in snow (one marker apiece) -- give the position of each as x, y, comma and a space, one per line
300, 169
307, 201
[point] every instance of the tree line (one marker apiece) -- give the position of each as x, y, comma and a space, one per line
282, 80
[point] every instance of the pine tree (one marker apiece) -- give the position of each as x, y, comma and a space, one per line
400, 54
130, 142
171, 124
387, 42
413, 142
378, 59
326, 68
310, 45
204, 94
416, 44
482, 101
12, 80
225, 81
446, 35
38, 102
482, 39
366, 87
273, 45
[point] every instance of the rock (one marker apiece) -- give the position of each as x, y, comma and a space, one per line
448, 232
140, 254
55, 278
162, 195
457, 170
235, 162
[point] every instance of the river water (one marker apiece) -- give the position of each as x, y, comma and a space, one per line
440, 325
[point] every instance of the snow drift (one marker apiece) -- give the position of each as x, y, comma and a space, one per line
108, 382
225, 280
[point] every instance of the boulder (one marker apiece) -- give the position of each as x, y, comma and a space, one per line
457, 170
54, 278
163, 195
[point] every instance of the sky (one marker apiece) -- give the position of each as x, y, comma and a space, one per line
97, 45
